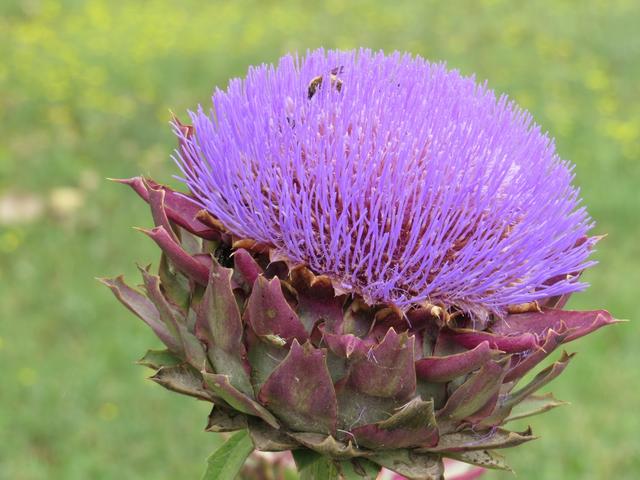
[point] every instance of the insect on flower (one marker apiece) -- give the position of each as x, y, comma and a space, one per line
316, 82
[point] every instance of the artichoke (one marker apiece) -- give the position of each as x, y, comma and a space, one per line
364, 272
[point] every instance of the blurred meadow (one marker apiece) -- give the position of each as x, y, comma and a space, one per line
85, 93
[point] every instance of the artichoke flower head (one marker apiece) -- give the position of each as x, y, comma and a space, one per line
373, 251
408, 184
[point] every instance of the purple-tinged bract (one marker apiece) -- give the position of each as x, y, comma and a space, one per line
400, 180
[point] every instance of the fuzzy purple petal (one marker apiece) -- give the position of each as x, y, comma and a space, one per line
409, 183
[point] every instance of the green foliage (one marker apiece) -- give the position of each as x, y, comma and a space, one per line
159, 358
85, 89
360, 469
313, 466
227, 461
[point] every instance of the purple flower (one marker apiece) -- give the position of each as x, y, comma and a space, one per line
399, 179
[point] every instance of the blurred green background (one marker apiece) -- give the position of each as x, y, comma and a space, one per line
85, 90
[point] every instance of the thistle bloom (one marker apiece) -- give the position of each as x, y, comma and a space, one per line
351, 218
402, 181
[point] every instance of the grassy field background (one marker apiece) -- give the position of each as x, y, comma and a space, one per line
85, 89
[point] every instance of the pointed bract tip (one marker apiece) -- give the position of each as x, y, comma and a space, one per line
110, 281
119, 180
150, 232
566, 356
619, 320
104, 280
127, 181
143, 269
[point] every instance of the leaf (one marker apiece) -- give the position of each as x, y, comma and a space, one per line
300, 391
358, 469
225, 420
304, 458
142, 307
472, 395
533, 405
178, 206
219, 326
157, 359
160, 219
503, 409
267, 439
221, 386
182, 379
577, 323
388, 370
448, 367
225, 463
246, 270
414, 466
509, 343
329, 446
264, 357
356, 409
531, 360
174, 284
317, 300
268, 313
469, 440
482, 458
412, 425
184, 262
313, 466
175, 321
